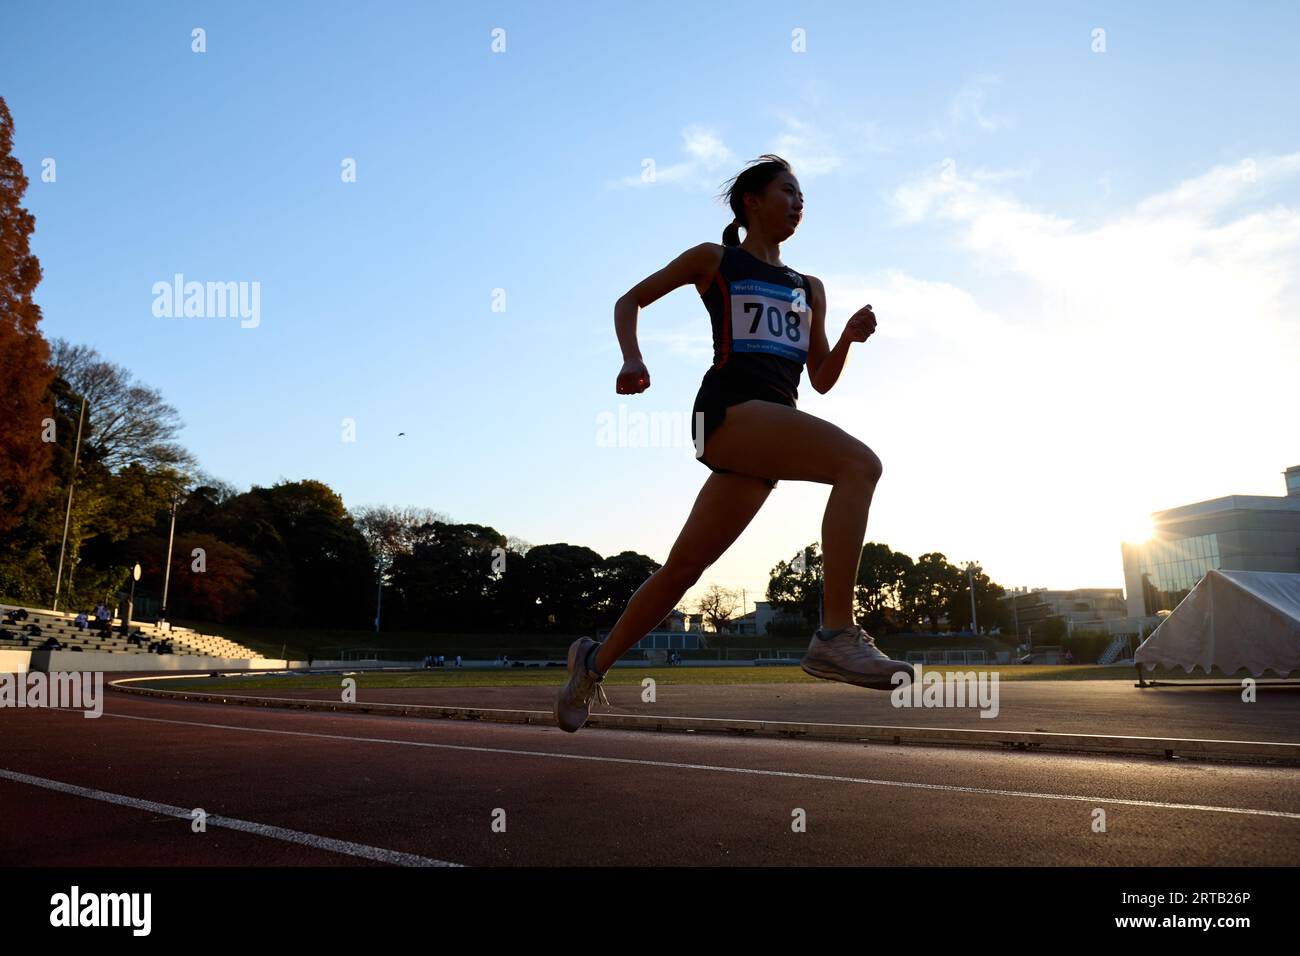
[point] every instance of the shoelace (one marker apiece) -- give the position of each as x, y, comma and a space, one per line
865, 640
587, 687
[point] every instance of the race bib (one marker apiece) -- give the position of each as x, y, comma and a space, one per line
768, 318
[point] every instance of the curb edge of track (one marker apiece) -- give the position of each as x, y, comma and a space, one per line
1250, 751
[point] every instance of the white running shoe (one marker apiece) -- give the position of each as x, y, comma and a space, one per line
573, 702
852, 657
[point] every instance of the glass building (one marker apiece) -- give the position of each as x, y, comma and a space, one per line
1235, 533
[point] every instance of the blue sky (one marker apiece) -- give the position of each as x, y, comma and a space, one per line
1082, 262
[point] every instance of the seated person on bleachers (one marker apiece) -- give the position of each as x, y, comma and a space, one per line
33, 629
16, 615
50, 644
81, 621
101, 612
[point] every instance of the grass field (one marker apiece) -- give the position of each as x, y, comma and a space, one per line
329, 644
554, 676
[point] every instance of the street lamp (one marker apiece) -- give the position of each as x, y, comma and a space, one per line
67, 514
130, 601
167, 568
971, 568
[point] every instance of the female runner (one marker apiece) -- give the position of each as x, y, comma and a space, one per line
767, 324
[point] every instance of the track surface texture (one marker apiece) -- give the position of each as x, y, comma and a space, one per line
286, 787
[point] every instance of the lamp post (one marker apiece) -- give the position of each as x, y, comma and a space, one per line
130, 601
167, 568
67, 515
971, 568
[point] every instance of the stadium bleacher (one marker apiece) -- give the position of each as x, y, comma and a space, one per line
59, 625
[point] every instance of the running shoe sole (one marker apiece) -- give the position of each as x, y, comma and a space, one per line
831, 672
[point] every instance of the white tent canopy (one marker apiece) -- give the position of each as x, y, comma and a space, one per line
1231, 620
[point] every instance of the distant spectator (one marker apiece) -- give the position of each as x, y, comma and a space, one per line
15, 615
34, 630
50, 644
1069, 656
82, 621
458, 660
428, 661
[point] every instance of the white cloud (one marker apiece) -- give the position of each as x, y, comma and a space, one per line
705, 146
1152, 364
1222, 186
807, 148
968, 105
908, 308
707, 155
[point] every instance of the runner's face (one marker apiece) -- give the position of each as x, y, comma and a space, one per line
781, 208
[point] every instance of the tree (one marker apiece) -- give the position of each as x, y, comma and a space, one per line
795, 588
25, 376
446, 580
929, 588
882, 575
717, 606
216, 590
617, 579
554, 587
391, 531
133, 424
989, 610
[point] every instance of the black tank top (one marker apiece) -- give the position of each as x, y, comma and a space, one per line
761, 317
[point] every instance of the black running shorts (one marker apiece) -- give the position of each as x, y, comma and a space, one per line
715, 396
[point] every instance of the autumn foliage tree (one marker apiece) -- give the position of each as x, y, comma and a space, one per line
25, 375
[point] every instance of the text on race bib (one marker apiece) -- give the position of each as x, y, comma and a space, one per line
769, 318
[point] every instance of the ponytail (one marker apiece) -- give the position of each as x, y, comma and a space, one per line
753, 179
731, 235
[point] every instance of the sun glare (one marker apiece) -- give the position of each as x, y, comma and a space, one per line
1140, 529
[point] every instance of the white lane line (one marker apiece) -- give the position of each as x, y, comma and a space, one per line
830, 778
246, 826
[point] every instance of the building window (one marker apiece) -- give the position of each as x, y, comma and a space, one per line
1170, 569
